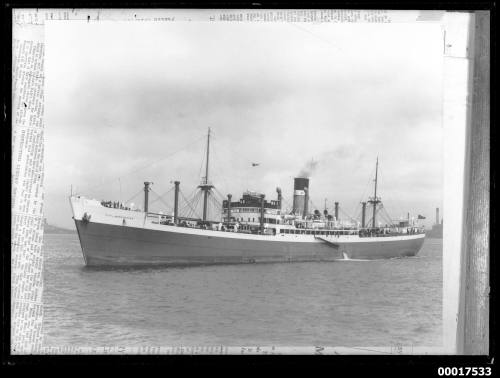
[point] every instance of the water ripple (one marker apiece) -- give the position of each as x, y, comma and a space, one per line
376, 302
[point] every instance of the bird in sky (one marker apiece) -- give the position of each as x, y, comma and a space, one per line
255, 164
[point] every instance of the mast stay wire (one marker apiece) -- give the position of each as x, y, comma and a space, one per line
370, 220
365, 190
187, 202
217, 208
385, 215
355, 219
347, 215
217, 160
192, 195
202, 161
221, 196
214, 207
186, 209
162, 195
216, 204
216, 200
195, 207
133, 197
398, 207
168, 206
89, 189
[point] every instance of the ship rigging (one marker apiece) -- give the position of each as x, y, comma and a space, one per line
251, 229
253, 212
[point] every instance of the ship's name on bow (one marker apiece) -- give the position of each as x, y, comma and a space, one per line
117, 216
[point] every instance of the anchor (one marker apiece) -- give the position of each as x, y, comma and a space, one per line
86, 218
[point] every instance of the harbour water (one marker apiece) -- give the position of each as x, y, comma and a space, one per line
342, 303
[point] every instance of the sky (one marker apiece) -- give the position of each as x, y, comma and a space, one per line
128, 102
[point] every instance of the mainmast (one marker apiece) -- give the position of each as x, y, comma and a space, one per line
205, 184
208, 156
375, 200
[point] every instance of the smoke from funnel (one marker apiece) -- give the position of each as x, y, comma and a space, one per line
308, 169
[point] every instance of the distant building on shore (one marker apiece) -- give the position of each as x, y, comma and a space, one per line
437, 229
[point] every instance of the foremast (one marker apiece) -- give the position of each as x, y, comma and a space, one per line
374, 201
205, 185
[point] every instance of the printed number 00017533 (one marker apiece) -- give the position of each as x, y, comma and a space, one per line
464, 371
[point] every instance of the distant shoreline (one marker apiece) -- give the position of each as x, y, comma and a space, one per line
48, 229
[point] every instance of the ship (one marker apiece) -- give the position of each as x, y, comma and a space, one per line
250, 230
